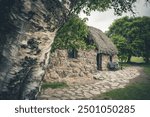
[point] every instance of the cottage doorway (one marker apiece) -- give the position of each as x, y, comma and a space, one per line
99, 61
72, 53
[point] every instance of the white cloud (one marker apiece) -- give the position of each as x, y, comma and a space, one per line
104, 20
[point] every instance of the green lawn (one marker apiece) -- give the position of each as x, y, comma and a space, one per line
135, 91
137, 59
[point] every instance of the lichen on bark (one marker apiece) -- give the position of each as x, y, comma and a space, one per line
27, 30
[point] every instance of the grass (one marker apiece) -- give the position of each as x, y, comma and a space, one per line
135, 91
147, 69
140, 91
54, 85
137, 59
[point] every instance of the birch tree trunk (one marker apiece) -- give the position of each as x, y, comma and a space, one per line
27, 30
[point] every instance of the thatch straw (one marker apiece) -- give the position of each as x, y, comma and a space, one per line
103, 43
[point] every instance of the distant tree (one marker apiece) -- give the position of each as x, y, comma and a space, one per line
121, 44
144, 37
136, 33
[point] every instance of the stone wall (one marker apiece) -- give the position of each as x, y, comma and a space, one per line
62, 67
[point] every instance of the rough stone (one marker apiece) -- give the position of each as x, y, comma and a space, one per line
95, 92
54, 75
87, 95
98, 77
115, 84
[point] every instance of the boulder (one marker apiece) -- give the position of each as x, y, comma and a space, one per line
98, 77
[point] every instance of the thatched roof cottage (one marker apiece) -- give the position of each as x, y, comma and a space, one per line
103, 43
81, 63
105, 46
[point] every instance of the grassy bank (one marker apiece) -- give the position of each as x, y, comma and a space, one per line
135, 91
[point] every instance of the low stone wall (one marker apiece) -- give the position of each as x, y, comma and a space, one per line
84, 66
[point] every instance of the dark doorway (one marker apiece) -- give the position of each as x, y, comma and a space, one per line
111, 58
72, 53
99, 61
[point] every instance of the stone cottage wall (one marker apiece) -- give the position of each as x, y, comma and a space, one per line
63, 67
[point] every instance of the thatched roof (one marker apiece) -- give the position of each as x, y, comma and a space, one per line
103, 43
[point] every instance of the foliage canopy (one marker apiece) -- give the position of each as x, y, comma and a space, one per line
119, 6
72, 35
131, 36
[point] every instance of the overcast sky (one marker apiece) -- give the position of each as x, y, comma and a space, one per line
103, 20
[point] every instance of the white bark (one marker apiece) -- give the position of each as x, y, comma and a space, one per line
25, 54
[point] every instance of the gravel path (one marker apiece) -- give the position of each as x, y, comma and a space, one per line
104, 81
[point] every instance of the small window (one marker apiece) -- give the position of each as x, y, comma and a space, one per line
111, 58
72, 53
89, 40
